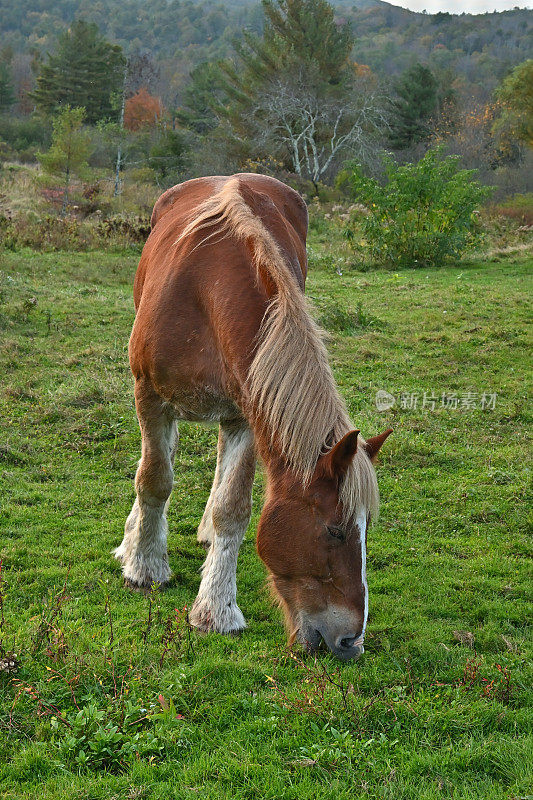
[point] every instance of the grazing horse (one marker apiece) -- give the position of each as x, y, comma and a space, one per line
222, 333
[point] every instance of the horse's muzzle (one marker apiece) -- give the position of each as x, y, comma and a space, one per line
343, 642
348, 648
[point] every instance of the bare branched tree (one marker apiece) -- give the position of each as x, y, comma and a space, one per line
314, 132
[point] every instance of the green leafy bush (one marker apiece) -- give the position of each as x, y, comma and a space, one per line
421, 217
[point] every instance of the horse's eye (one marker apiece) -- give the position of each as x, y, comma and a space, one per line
337, 533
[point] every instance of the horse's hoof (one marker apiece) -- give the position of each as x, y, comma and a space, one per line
143, 588
229, 623
236, 634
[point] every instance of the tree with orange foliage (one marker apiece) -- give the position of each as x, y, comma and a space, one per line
143, 110
466, 129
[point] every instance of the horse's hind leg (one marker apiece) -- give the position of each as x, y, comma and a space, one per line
206, 531
143, 551
215, 608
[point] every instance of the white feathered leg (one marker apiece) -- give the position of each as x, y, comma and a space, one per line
224, 523
143, 551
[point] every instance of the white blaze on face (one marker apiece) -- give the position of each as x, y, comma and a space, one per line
361, 524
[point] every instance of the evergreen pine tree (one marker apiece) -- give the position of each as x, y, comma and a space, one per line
85, 72
306, 32
204, 98
299, 36
413, 107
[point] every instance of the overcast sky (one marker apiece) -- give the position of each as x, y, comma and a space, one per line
458, 6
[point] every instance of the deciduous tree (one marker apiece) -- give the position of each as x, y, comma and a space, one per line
69, 151
515, 96
143, 110
312, 132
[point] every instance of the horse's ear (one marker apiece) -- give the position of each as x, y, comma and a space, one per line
339, 458
373, 445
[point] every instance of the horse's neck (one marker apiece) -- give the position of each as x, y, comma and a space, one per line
280, 475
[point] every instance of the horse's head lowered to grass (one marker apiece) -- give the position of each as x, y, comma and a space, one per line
315, 550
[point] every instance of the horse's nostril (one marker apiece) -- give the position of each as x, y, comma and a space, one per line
348, 647
347, 642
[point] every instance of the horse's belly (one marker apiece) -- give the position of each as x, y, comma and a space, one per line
203, 404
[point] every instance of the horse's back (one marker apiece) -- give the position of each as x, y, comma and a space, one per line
281, 210
199, 300
192, 192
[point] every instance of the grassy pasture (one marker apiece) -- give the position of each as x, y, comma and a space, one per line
111, 695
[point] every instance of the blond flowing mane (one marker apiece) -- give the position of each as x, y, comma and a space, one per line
290, 380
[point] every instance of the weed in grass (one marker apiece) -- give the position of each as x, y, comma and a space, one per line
176, 637
334, 318
51, 613
105, 739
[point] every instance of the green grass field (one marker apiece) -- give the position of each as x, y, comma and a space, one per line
111, 695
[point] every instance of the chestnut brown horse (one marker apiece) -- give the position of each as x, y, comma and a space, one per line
222, 333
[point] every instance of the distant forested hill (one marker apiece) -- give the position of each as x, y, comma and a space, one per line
480, 48
162, 27
476, 50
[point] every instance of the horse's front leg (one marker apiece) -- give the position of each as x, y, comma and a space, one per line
143, 551
215, 608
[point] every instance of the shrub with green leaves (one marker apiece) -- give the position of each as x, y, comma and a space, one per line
422, 216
